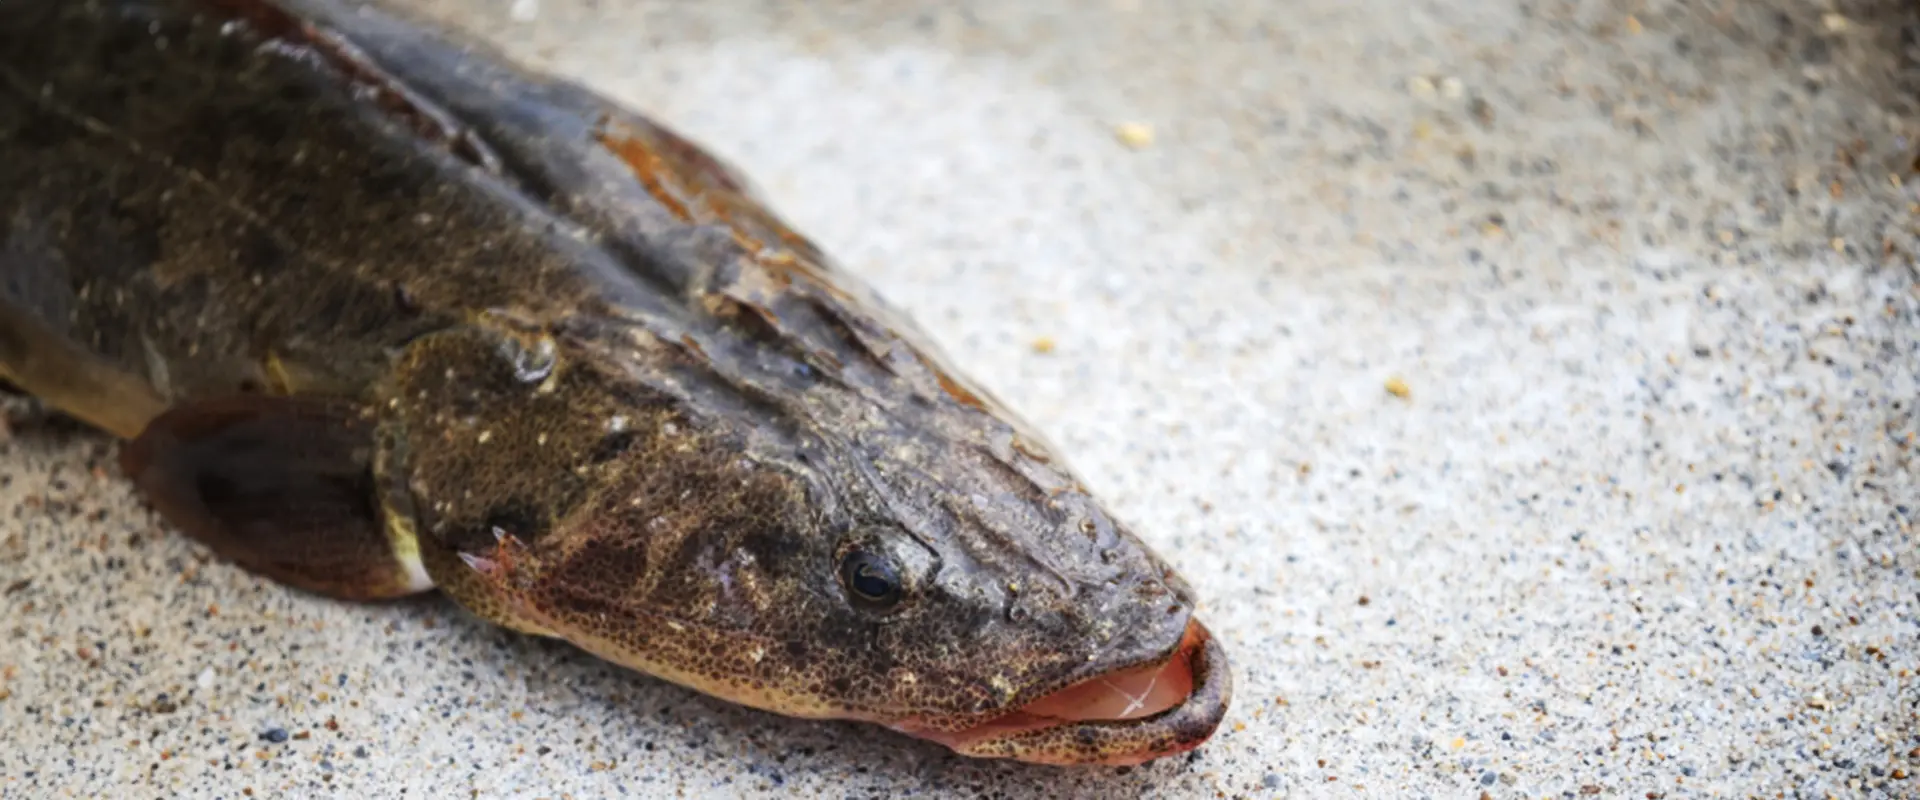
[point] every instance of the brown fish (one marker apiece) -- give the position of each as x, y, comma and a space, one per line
380, 312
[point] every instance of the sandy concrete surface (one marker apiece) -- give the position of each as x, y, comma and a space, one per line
1640, 526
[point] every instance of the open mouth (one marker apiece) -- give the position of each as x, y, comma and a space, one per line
1124, 717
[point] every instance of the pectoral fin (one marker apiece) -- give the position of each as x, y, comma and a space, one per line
47, 365
281, 485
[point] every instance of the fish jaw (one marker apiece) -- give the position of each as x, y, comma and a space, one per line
1120, 717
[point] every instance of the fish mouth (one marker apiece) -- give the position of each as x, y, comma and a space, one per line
1122, 717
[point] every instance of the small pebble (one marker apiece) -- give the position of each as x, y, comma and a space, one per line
1138, 136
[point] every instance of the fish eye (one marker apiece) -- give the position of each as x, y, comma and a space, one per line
871, 579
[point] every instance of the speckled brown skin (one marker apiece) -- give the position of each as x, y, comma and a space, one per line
591, 387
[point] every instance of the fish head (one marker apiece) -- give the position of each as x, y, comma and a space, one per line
962, 589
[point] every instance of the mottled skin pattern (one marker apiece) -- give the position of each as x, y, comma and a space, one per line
593, 388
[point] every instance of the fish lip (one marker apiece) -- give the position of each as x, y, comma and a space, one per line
1120, 742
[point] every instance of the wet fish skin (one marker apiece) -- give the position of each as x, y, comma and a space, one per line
535, 350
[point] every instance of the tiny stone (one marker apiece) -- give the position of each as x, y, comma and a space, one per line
274, 735
1135, 135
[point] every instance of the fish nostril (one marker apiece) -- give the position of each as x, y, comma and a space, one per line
1018, 613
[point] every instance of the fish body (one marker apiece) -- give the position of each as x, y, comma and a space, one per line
378, 312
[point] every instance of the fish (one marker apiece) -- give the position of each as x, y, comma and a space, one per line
376, 311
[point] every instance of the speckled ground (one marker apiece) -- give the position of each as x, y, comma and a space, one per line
1641, 525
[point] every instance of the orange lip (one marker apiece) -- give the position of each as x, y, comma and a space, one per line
1127, 716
